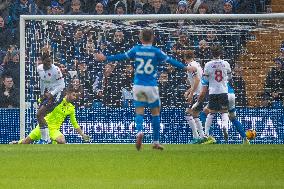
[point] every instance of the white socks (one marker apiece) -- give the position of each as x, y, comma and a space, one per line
45, 134
225, 120
192, 124
199, 127
208, 122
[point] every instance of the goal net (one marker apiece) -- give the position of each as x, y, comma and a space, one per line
105, 111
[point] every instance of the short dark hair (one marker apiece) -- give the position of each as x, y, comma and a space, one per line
189, 54
147, 35
216, 51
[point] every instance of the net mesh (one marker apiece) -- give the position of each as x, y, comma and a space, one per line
250, 46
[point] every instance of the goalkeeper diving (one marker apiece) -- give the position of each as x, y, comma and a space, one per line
55, 119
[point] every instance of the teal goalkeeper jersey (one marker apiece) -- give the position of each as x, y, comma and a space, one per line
55, 118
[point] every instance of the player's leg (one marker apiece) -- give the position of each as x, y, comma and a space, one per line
46, 106
224, 103
139, 119
195, 113
26, 140
41, 113
190, 120
140, 98
234, 120
154, 104
57, 136
155, 111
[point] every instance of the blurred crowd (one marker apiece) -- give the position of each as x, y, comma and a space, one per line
72, 46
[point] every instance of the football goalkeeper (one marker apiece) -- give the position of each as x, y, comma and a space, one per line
55, 119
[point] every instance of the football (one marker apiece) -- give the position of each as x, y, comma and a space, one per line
251, 134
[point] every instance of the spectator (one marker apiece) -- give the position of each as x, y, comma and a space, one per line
76, 84
86, 80
165, 90
247, 7
138, 9
76, 8
193, 6
127, 84
203, 9
88, 6
120, 8
4, 5
6, 39
239, 86
159, 8
215, 6
111, 87
182, 7
12, 67
211, 38
228, 7
65, 74
203, 53
99, 9
274, 84
20, 7
56, 9
66, 5
183, 44
9, 94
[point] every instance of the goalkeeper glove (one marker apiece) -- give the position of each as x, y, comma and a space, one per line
86, 138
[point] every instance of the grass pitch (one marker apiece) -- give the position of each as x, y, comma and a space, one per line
120, 166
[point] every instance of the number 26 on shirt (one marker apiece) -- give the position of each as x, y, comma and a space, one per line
142, 68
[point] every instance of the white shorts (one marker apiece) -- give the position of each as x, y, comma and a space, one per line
232, 104
149, 95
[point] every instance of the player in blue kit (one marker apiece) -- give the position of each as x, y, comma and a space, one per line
145, 90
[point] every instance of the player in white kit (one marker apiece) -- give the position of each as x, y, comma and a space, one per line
191, 95
217, 72
51, 85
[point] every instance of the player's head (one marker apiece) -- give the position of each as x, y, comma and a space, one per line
46, 61
147, 36
72, 94
216, 51
188, 55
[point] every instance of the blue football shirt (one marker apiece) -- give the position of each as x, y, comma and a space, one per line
147, 60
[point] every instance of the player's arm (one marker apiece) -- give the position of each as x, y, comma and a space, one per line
163, 57
196, 81
205, 85
117, 57
42, 87
60, 84
75, 124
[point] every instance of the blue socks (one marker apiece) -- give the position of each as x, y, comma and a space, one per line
139, 122
239, 127
156, 127
202, 117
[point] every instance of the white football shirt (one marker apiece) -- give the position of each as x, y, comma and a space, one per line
51, 79
191, 76
217, 72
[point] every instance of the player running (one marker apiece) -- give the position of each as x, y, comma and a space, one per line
192, 115
51, 86
55, 119
145, 89
215, 79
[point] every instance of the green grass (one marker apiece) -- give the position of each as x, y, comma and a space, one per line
121, 167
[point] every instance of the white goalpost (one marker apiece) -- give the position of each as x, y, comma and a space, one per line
166, 17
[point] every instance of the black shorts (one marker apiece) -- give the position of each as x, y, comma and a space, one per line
51, 103
218, 102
